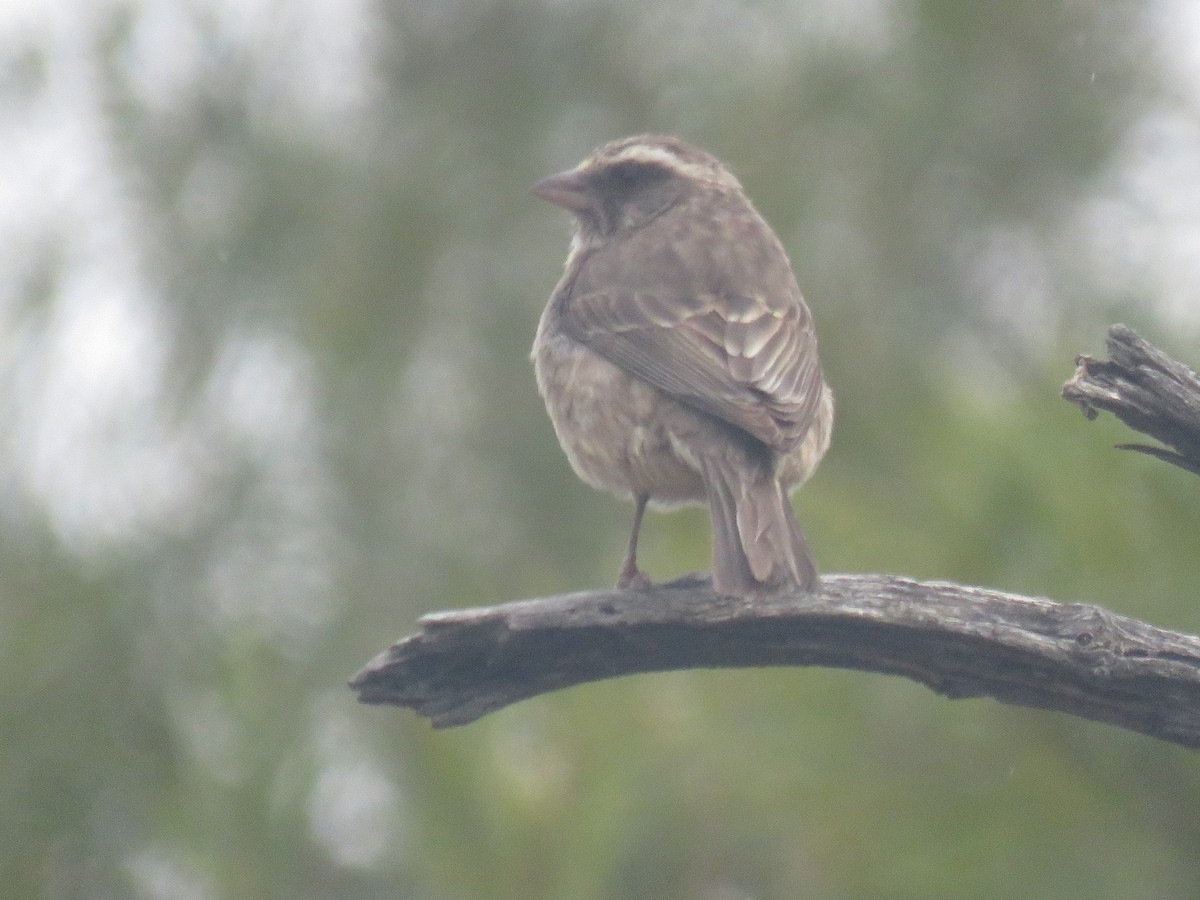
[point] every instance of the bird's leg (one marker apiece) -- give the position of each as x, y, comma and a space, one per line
631, 577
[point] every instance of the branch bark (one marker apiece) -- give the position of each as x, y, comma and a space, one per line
959, 641
1145, 389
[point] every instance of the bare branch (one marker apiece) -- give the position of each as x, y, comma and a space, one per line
959, 641
1145, 389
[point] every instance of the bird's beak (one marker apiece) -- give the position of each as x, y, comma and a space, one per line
567, 189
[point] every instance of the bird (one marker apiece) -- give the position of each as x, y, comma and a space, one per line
678, 359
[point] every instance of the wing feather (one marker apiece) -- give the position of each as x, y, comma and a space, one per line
758, 372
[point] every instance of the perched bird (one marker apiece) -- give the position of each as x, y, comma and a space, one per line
678, 360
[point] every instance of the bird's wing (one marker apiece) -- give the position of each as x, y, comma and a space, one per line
751, 361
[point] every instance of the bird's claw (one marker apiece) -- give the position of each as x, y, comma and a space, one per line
633, 580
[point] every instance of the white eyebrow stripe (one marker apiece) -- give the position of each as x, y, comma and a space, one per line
648, 154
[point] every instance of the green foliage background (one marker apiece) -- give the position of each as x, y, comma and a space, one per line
272, 277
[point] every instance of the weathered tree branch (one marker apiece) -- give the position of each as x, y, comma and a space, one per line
959, 641
1145, 389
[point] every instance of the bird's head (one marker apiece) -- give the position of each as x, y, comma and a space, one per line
626, 183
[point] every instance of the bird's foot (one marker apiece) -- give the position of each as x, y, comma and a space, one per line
633, 579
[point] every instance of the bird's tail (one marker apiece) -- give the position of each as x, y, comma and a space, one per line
758, 546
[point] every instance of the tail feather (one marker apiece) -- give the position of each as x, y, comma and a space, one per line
733, 572
758, 546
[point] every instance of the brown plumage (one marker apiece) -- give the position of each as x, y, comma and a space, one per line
678, 360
